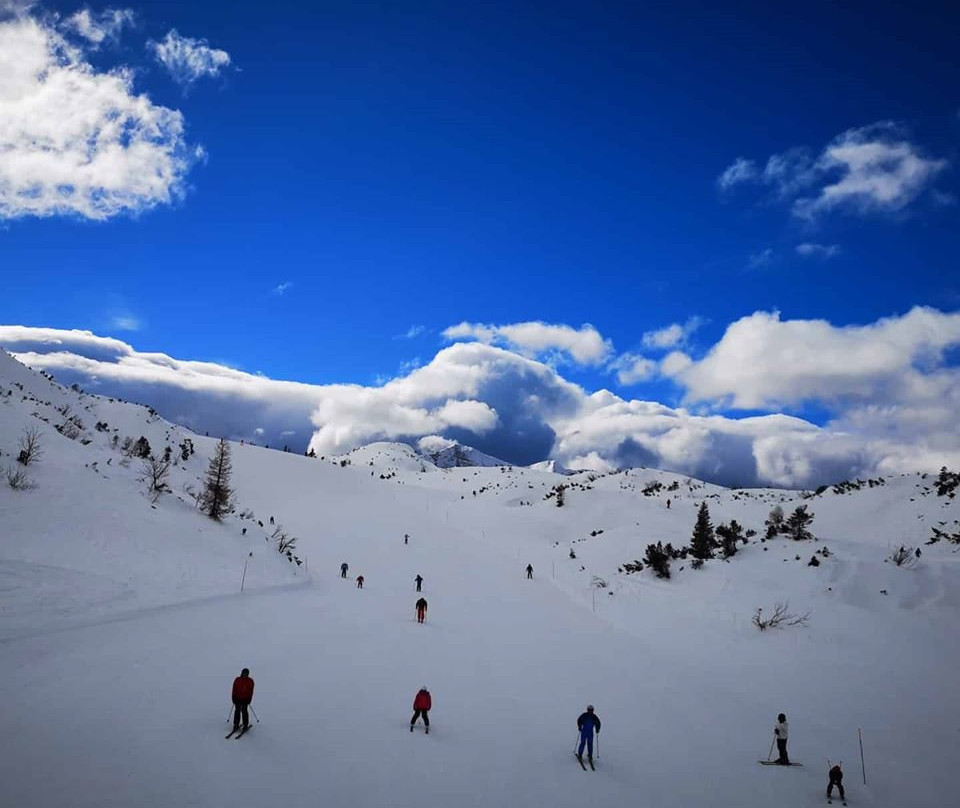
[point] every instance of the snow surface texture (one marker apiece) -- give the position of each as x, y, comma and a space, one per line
122, 626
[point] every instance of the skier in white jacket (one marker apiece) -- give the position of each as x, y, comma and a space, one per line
781, 732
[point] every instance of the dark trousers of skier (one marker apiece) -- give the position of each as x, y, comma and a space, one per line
240, 714
586, 739
836, 779
417, 714
782, 749
419, 583
421, 614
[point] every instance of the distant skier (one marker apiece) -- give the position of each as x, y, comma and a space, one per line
836, 779
529, 571
419, 580
406, 538
668, 504
343, 569
421, 707
359, 582
572, 554
242, 696
781, 732
421, 610
587, 723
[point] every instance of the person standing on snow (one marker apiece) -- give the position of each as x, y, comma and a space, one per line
359, 582
421, 610
421, 706
836, 779
587, 723
242, 695
529, 571
343, 569
781, 732
419, 580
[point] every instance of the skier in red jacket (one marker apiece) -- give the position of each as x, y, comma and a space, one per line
242, 696
421, 706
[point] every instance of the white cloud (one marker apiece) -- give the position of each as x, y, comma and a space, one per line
808, 250
893, 395
413, 332
633, 368
673, 335
98, 27
126, 322
280, 288
583, 345
739, 171
871, 169
762, 259
189, 59
75, 140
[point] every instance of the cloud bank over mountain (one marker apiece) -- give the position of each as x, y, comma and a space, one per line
889, 388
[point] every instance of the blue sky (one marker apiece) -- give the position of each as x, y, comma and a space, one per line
375, 173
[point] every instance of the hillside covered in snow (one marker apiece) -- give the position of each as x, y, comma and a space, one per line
126, 612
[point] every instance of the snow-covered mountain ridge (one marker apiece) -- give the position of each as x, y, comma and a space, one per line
136, 605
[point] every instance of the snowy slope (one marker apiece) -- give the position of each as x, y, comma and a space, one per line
120, 678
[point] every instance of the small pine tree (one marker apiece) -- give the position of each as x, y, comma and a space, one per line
658, 559
217, 494
730, 535
141, 448
560, 496
798, 523
774, 522
704, 540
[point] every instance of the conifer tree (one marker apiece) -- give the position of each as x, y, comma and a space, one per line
798, 523
217, 495
730, 535
704, 540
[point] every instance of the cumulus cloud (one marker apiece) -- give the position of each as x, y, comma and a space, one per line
871, 169
673, 335
96, 28
189, 59
584, 345
76, 140
892, 392
633, 368
808, 250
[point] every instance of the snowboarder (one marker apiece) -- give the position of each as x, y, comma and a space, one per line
587, 723
529, 571
421, 706
421, 610
343, 569
242, 695
359, 582
836, 779
419, 580
781, 732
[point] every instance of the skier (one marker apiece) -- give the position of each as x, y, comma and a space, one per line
421, 706
587, 723
668, 504
359, 582
572, 554
242, 696
529, 571
343, 569
836, 779
421, 610
406, 538
419, 580
781, 732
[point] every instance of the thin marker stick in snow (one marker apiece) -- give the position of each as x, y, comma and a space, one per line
244, 577
862, 768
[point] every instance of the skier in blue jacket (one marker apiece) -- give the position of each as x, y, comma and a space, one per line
587, 723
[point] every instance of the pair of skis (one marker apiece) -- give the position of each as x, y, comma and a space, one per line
239, 733
582, 765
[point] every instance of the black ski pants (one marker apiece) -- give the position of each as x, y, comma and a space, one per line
782, 749
240, 712
417, 714
838, 784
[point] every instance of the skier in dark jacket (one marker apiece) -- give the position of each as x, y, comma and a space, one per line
421, 706
419, 580
359, 582
836, 779
421, 609
529, 571
587, 723
343, 569
242, 695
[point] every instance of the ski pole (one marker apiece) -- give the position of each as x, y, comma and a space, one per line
254, 713
230, 715
575, 743
598, 745
770, 753
860, 734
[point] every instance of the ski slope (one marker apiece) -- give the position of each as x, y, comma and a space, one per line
122, 626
